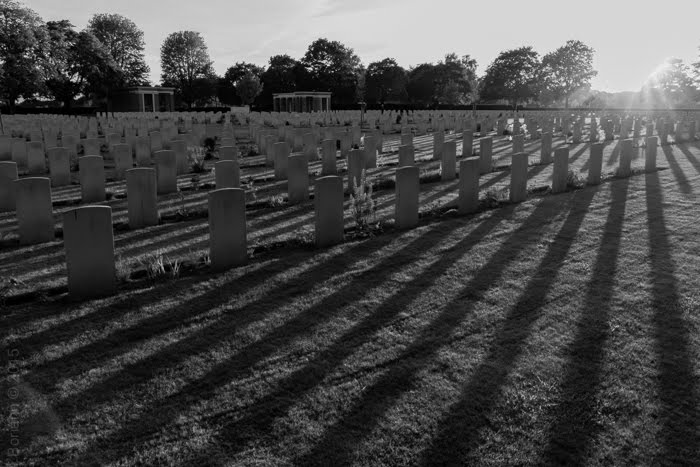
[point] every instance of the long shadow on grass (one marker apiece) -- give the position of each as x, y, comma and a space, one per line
678, 382
119, 341
262, 415
691, 157
579, 152
614, 156
494, 180
459, 429
121, 238
576, 423
677, 170
450, 187
165, 240
166, 410
341, 440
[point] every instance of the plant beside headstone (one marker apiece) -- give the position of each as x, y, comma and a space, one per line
196, 158
209, 147
574, 180
361, 203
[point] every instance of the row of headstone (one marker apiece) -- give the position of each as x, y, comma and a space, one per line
88, 233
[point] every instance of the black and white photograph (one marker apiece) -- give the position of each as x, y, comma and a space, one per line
349, 233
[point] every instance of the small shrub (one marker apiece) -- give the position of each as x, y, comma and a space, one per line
174, 267
277, 201
7, 286
574, 180
196, 159
494, 197
251, 152
154, 264
361, 202
252, 189
123, 270
195, 180
159, 266
209, 145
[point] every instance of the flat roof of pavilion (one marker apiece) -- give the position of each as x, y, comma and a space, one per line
302, 93
147, 89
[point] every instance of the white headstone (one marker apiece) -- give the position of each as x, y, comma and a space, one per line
298, 184
328, 201
89, 245
8, 175
227, 228
35, 223
59, 166
407, 190
166, 171
92, 179
227, 174
142, 197
468, 201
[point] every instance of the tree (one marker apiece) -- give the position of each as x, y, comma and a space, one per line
670, 84
512, 76
360, 84
248, 87
22, 38
204, 89
385, 81
333, 67
696, 72
75, 63
240, 69
421, 84
283, 74
455, 78
184, 61
227, 85
567, 69
124, 42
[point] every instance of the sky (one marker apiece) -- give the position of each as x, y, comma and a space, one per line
631, 38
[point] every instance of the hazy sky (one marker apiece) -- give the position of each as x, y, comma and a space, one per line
630, 38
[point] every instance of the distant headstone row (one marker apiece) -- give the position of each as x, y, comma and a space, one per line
288, 145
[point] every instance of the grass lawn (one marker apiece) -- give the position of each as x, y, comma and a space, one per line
562, 330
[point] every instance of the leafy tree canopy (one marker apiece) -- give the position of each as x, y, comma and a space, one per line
185, 64
567, 69
512, 76
124, 42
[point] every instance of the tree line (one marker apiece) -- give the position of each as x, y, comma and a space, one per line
54, 61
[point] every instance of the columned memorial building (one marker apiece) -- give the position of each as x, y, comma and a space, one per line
301, 102
143, 99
